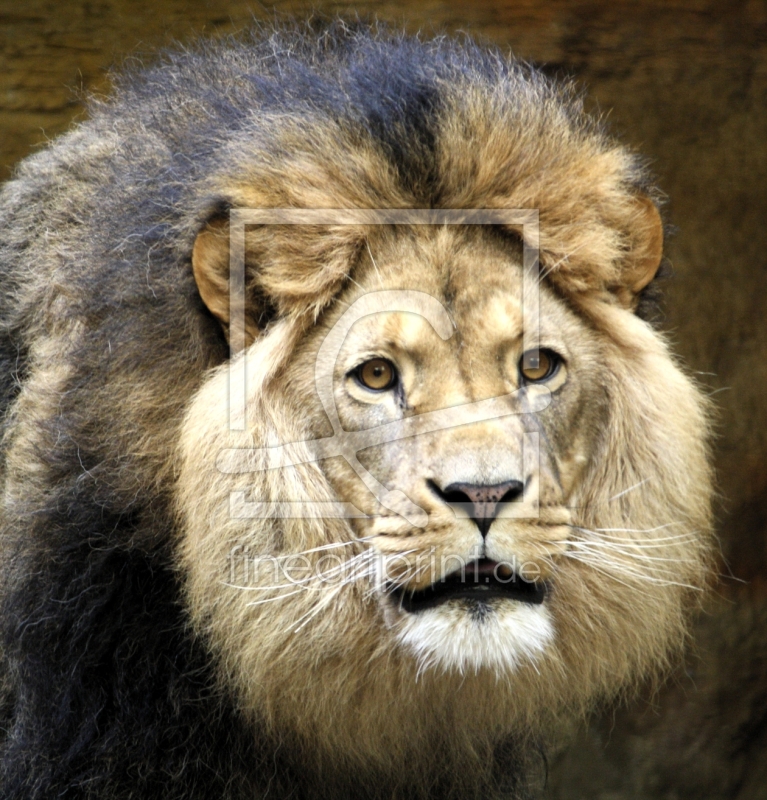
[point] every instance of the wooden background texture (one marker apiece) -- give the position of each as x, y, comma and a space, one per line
685, 82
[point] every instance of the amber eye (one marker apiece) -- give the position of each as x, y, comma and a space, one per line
538, 365
377, 374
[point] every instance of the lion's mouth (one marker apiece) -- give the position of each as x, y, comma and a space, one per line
479, 581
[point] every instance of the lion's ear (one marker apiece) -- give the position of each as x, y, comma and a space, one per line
646, 250
210, 265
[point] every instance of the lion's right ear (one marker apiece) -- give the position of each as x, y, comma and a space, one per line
210, 265
645, 251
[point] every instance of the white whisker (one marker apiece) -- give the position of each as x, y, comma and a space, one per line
610, 568
375, 266
273, 599
332, 546
611, 548
544, 274
630, 489
629, 530
629, 544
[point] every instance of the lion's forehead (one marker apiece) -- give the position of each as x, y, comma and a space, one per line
494, 319
475, 275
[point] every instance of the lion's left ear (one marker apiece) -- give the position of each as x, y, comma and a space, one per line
645, 252
210, 265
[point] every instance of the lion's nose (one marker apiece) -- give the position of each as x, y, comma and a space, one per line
481, 502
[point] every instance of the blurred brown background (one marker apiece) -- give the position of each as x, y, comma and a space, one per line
684, 81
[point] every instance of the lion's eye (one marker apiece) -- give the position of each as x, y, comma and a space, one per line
538, 365
377, 374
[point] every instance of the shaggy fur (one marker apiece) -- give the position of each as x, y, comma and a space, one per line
133, 667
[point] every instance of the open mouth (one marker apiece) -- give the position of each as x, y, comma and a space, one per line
479, 581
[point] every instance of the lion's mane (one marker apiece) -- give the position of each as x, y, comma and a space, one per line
117, 677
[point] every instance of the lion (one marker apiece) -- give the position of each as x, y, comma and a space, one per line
341, 455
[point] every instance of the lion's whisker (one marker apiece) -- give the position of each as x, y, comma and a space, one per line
627, 543
629, 548
650, 544
595, 548
270, 588
273, 599
545, 273
609, 568
373, 262
627, 530
316, 609
626, 491
331, 546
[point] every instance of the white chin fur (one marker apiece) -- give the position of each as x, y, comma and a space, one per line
450, 637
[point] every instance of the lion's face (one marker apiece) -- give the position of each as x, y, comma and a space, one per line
506, 537
464, 585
